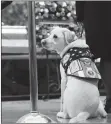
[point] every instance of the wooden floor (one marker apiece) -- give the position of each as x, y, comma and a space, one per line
13, 110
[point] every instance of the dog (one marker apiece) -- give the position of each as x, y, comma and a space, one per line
80, 99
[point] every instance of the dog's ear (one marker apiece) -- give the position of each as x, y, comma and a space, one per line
69, 36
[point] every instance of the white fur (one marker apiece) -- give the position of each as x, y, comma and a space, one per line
79, 98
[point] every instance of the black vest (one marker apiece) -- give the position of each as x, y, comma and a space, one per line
79, 62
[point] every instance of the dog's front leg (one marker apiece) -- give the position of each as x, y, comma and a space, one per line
63, 86
63, 111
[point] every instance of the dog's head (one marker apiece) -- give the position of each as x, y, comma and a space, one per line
58, 39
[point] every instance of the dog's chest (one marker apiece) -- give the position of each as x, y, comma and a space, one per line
78, 62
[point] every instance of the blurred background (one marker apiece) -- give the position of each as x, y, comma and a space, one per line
15, 63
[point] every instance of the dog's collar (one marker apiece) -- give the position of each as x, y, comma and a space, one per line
80, 43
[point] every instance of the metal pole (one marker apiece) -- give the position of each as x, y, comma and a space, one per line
32, 57
34, 116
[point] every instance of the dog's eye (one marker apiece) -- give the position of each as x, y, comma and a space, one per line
55, 36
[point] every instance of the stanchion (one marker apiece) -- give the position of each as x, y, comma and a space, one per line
34, 116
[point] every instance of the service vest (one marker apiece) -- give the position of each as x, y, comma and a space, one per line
79, 62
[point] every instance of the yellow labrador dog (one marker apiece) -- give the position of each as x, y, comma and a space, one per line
80, 98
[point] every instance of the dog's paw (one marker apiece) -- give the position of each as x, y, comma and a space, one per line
103, 114
73, 120
62, 120
62, 115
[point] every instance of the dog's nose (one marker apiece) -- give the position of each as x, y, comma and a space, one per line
43, 42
